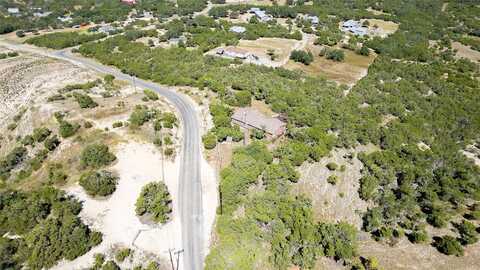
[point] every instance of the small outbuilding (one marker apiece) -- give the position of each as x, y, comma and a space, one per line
250, 118
238, 29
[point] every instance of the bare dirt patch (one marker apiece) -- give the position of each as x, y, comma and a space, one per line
381, 27
466, 52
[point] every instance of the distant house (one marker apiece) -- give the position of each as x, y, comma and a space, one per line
41, 14
236, 53
238, 29
261, 14
106, 29
250, 118
13, 11
354, 27
64, 19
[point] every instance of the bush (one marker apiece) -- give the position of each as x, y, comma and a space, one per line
332, 179
122, 254
468, 233
140, 116
335, 55
418, 236
28, 140
110, 265
449, 245
40, 134
11, 160
209, 140
154, 201
151, 95
98, 183
56, 174
332, 166
84, 101
302, 57
51, 143
55, 97
169, 152
364, 51
169, 120
117, 124
96, 156
67, 129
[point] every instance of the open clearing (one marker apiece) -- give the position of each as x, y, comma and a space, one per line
466, 52
348, 72
384, 28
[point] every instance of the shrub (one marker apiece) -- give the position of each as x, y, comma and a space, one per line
364, 51
12, 126
154, 201
56, 174
209, 140
140, 115
11, 160
84, 101
418, 236
157, 141
117, 124
98, 183
122, 254
40, 134
335, 55
468, 233
96, 155
449, 245
332, 179
51, 143
55, 97
332, 166
109, 78
110, 265
302, 57
169, 119
169, 151
151, 95
67, 129
28, 140
87, 124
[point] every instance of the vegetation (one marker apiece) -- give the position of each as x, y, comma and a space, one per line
209, 140
122, 254
96, 156
449, 245
46, 219
98, 183
67, 129
155, 202
302, 57
63, 39
151, 95
85, 101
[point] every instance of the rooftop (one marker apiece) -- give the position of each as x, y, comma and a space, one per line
253, 118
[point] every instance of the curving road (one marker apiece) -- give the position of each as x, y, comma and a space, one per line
190, 187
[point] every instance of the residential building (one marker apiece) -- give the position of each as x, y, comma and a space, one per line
354, 27
261, 14
238, 29
236, 53
13, 11
129, 2
250, 118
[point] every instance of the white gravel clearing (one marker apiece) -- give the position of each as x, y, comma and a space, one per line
138, 164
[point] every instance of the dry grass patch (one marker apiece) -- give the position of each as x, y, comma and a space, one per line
386, 27
348, 72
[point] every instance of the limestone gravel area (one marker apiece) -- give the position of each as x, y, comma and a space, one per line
340, 202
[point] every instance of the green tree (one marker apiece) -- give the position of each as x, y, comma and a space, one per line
96, 156
154, 201
98, 183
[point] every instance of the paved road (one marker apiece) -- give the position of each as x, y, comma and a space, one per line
190, 188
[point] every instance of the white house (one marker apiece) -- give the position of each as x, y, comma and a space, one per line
354, 27
13, 11
238, 29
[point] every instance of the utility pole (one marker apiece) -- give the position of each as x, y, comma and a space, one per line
178, 257
171, 258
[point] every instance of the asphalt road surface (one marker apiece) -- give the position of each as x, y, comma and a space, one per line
190, 188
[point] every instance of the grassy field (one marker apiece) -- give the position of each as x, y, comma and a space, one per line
347, 72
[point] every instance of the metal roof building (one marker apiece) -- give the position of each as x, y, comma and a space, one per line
251, 118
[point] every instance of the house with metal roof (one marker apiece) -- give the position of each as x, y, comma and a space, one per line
13, 11
354, 27
261, 14
250, 118
237, 29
